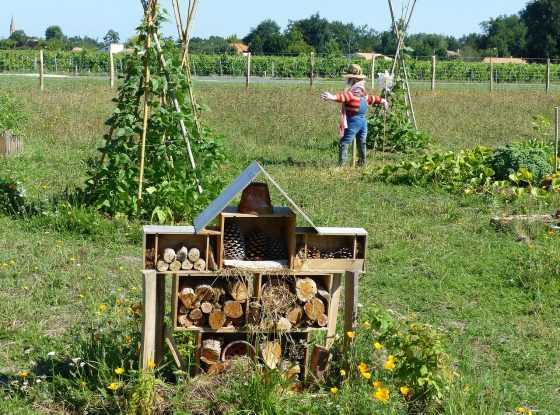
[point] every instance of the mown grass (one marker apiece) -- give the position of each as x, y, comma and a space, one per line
431, 253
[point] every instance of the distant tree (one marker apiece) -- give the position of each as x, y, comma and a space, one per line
542, 18
212, 45
317, 32
296, 43
266, 38
54, 33
111, 37
19, 38
506, 35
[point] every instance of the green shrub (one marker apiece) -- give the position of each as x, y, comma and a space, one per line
511, 158
393, 131
12, 115
12, 198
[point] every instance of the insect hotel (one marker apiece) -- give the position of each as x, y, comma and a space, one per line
246, 281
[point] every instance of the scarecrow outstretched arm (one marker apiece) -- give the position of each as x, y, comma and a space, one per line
374, 100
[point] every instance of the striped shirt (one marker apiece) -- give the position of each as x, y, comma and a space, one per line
352, 101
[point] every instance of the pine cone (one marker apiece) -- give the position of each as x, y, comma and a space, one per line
313, 253
276, 249
234, 243
256, 246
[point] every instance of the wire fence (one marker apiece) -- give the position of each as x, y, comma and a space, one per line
493, 72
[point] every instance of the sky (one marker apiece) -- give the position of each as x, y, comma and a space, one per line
226, 17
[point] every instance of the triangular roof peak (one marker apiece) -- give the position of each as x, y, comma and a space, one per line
238, 185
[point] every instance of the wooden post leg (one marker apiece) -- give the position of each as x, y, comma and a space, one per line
152, 332
333, 310
350, 303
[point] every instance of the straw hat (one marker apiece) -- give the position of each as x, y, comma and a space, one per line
354, 72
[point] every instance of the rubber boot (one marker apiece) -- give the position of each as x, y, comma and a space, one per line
342, 154
362, 154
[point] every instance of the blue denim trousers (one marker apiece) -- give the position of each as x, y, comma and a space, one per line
357, 129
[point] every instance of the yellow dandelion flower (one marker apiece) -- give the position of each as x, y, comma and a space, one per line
342, 372
119, 371
524, 410
83, 384
363, 367
113, 386
405, 391
377, 384
23, 374
551, 232
350, 334
366, 375
366, 325
102, 308
377, 346
382, 395
390, 363
151, 364
334, 390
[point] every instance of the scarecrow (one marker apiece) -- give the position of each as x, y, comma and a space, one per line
353, 122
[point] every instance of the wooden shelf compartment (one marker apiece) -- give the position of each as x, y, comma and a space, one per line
218, 282
208, 243
279, 226
294, 348
342, 242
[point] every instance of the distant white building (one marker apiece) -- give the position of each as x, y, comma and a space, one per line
115, 48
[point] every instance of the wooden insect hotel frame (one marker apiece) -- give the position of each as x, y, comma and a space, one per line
249, 283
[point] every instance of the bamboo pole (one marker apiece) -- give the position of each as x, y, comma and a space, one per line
548, 75
311, 69
111, 69
373, 71
248, 70
41, 70
148, 45
434, 73
491, 74
557, 139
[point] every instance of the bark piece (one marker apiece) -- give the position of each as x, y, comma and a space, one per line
212, 264
162, 266
314, 309
169, 255
187, 265
306, 289
217, 319
323, 320
194, 255
175, 266
196, 315
205, 293
254, 313
295, 315
182, 254
233, 309
319, 362
239, 291
271, 353
200, 265
185, 321
187, 297
206, 307
211, 351
283, 325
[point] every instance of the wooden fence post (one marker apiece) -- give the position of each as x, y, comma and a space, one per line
491, 75
373, 70
153, 330
248, 70
111, 70
311, 68
548, 75
350, 303
434, 62
557, 138
41, 70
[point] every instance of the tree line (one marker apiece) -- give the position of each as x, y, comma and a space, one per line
55, 39
534, 32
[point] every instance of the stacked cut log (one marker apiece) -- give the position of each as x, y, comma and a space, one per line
205, 306
181, 259
304, 306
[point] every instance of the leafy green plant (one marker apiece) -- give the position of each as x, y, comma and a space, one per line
12, 114
531, 156
405, 360
393, 131
169, 181
12, 197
